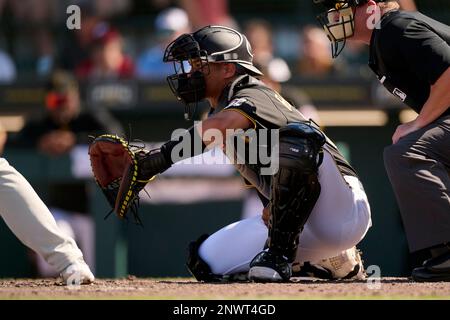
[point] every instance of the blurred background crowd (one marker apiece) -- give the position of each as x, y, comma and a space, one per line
124, 40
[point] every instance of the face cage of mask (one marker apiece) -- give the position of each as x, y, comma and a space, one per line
337, 44
188, 84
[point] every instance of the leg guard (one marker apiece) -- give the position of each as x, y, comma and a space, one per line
295, 187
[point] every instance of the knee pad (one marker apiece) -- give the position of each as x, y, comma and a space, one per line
295, 187
301, 147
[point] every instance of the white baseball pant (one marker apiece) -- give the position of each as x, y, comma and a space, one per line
31, 221
339, 220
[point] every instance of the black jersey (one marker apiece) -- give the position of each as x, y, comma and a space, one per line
409, 52
267, 109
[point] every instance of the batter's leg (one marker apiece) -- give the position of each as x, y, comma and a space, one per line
31, 221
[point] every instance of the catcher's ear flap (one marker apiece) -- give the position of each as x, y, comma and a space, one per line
126, 194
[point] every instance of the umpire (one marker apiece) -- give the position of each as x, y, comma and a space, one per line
410, 54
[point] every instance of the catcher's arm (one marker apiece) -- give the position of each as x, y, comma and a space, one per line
186, 145
122, 170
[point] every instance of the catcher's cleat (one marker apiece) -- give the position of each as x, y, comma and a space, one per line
346, 265
433, 270
268, 266
77, 273
308, 270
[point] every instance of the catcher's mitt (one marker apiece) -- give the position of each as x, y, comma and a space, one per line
116, 167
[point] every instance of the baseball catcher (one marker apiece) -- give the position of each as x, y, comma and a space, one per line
316, 208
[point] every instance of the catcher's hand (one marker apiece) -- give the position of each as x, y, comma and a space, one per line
122, 171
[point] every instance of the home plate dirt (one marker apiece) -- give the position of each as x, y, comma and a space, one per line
188, 288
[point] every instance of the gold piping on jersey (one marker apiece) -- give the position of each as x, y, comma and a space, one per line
242, 113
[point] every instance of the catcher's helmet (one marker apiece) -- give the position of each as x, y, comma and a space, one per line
338, 21
209, 44
224, 44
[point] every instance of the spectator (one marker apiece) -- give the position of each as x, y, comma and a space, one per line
76, 43
110, 8
315, 59
276, 71
169, 24
208, 12
37, 16
7, 68
107, 59
64, 126
259, 34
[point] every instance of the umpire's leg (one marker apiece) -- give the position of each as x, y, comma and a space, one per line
417, 166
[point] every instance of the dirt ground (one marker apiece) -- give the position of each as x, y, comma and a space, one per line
186, 288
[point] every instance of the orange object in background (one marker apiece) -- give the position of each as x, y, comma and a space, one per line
54, 100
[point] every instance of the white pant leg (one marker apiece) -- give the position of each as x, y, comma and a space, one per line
340, 218
31, 221
316, 244
252, 204
232, 248
80, 228
84, 229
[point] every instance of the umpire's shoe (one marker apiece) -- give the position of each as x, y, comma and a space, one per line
268, 266
434, 269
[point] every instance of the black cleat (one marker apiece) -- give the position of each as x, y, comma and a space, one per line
433, 270
269, 267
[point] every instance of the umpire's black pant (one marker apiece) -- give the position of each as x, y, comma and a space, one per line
418, 167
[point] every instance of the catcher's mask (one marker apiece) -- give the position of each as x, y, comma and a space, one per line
339, 21
191, 54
